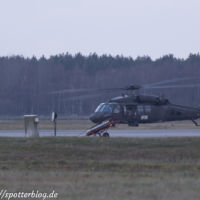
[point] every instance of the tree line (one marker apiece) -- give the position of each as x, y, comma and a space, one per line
31, 85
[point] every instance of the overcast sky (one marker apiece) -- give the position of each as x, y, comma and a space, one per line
128, 27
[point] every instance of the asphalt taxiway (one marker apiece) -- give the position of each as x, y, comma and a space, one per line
151, 133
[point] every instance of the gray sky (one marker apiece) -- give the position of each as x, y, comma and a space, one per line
128, 27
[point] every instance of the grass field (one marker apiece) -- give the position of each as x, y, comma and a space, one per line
99, 168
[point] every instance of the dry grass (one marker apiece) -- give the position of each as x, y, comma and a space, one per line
104, 185
44, 124
99, 168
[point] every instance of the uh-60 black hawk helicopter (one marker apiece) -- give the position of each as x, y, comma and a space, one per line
134, 109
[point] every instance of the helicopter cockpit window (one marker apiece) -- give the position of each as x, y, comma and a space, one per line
108, 107
99, 107
140, 109
147, 108
116, 109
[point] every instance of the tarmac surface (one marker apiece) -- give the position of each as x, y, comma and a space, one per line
157, 133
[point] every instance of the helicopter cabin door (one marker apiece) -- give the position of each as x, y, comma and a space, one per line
144, 113
132, 114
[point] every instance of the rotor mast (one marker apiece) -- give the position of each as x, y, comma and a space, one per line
132, 88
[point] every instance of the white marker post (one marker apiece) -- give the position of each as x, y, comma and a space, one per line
53, 119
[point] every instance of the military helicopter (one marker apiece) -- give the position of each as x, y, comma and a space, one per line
134, 108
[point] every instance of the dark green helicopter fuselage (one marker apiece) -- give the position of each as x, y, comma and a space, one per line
136, 109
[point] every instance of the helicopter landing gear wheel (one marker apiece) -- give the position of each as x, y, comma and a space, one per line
106, 135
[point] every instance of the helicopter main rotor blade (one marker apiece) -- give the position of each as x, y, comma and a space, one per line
174, 86
76, 91
81, 97
85, 96
169, 81
157, 85
70, 91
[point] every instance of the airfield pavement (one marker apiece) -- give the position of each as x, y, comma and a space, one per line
155, 133
74, 128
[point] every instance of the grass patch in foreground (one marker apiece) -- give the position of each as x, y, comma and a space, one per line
99, 168
104, 185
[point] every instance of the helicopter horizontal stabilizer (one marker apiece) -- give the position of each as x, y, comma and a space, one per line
100, 128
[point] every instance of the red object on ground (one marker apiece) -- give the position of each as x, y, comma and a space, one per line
98, 128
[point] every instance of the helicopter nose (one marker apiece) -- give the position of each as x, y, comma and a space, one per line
94, 118
99, 117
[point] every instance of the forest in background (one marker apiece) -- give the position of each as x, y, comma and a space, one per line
29, 85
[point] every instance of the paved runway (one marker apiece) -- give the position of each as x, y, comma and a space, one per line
113, 133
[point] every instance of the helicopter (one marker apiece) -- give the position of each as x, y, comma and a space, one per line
134, 108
